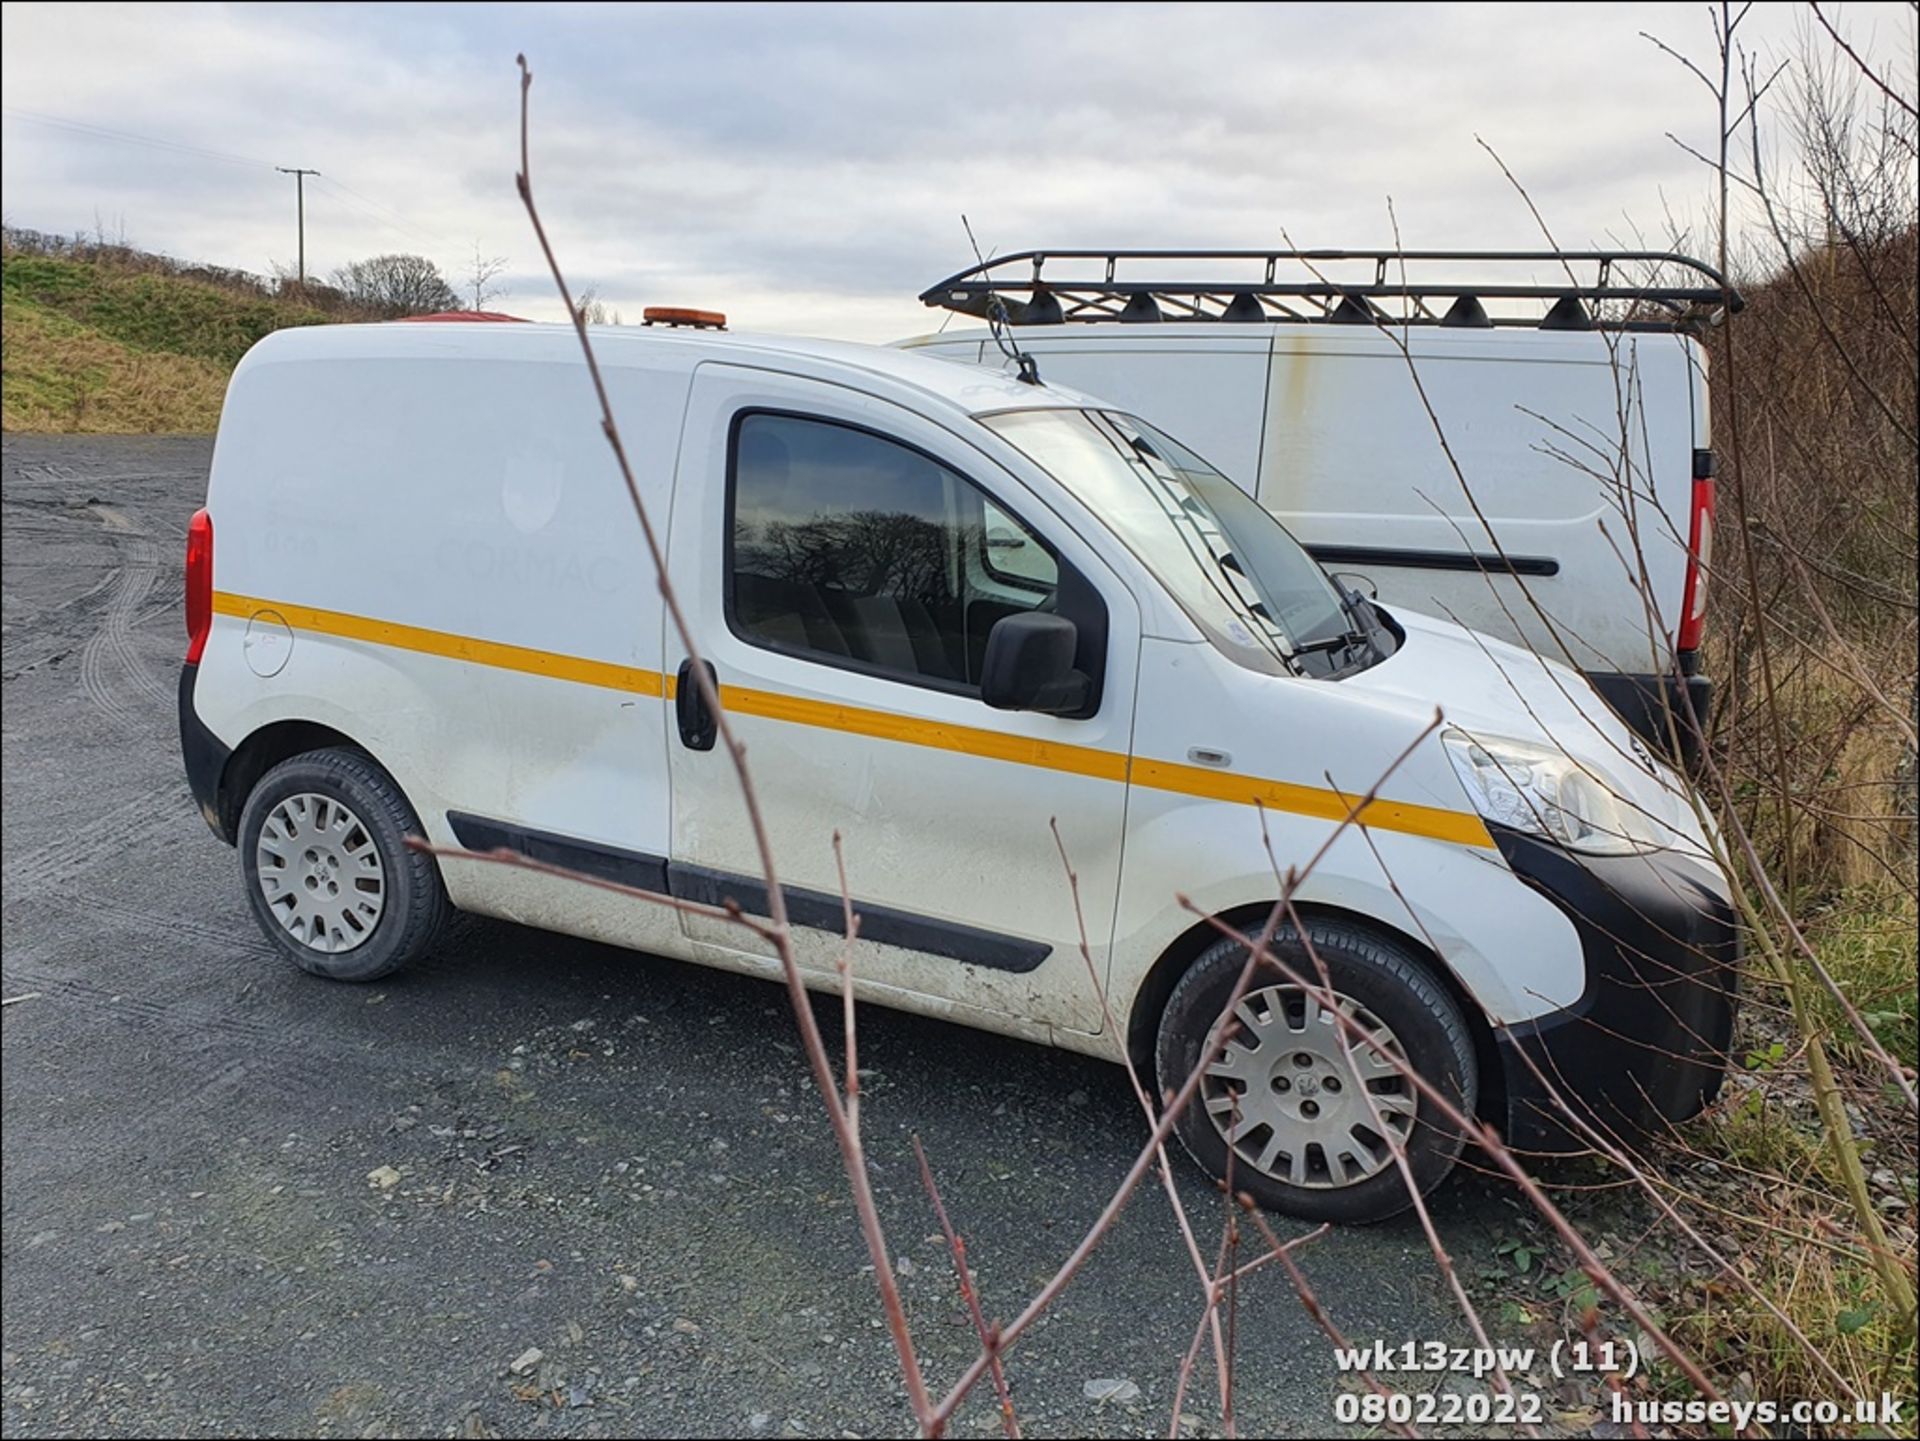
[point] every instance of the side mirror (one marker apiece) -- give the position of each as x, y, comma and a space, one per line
1029, 665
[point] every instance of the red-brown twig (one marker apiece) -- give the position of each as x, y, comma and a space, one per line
1165, 1171
1209, 1317
1623, 1158
1483, 1136
1180, 1099
1309, 1302
1865, 69
778, 931
957, 1248
844, 964
1442, 1257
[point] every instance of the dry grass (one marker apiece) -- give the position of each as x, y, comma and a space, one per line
103, 338
1814, 643
63, 377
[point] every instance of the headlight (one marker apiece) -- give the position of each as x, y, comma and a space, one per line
1543, 791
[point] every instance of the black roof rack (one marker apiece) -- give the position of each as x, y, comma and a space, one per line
1582, 289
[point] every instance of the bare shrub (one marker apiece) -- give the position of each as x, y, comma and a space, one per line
396, 284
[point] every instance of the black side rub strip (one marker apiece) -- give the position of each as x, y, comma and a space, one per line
816, 910
628, 868
1434, 559
822, 911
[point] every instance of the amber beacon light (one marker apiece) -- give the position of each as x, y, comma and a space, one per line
678, 316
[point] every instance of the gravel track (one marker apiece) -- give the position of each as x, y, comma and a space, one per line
610, 1157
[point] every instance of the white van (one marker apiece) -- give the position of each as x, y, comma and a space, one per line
943, 607
1576, 411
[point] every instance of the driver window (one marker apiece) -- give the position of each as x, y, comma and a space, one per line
861, 552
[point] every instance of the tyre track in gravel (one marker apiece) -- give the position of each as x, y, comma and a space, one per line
239, 936
60, 616
111, 650
208, 1018
229, 1054
105, 840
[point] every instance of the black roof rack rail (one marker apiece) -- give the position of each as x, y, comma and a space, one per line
1546, 289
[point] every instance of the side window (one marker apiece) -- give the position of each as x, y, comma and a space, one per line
864, 552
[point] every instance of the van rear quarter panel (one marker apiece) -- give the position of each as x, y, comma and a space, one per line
474, 498
1571, 448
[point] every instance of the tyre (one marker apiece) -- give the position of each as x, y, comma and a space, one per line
1283, 1100
328, 871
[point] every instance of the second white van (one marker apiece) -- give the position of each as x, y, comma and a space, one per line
1516, 441
943, 608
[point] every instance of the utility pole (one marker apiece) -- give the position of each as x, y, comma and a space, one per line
300, 186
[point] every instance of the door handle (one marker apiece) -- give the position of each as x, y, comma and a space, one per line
698, 725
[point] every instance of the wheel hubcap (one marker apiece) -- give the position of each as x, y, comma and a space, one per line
1289, 1100
321, 873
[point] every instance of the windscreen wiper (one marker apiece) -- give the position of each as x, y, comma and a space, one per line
1346, 641
1357, 612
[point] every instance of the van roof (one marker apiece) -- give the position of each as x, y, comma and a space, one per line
972, 389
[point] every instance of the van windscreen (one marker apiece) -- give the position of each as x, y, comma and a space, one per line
1234, 568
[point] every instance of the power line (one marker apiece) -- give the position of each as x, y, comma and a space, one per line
106, 132
385, 214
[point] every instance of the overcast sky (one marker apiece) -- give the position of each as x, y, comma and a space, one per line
804, 166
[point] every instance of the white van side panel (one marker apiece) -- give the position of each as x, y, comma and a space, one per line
1221, 386
449, 544
1576, 449
939, 821
1571, 455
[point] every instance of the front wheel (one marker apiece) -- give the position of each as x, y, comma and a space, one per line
1307, 1128
331, 878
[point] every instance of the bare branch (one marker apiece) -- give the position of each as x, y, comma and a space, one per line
778, 930
989, 1335
1865, 69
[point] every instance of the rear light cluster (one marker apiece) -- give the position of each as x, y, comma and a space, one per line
1693, 605
199, 583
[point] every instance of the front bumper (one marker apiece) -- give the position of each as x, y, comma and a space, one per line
1646, 1043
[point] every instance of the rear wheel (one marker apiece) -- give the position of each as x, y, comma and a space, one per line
1307, 1128
328, 871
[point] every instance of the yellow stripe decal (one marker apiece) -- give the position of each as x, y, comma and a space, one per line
454, 647
938, 735
1459, 827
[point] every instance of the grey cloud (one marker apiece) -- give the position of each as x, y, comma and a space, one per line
810, 162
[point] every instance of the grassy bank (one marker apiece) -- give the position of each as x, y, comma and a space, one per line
111, 341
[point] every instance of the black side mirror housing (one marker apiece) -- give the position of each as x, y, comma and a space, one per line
1029, 665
